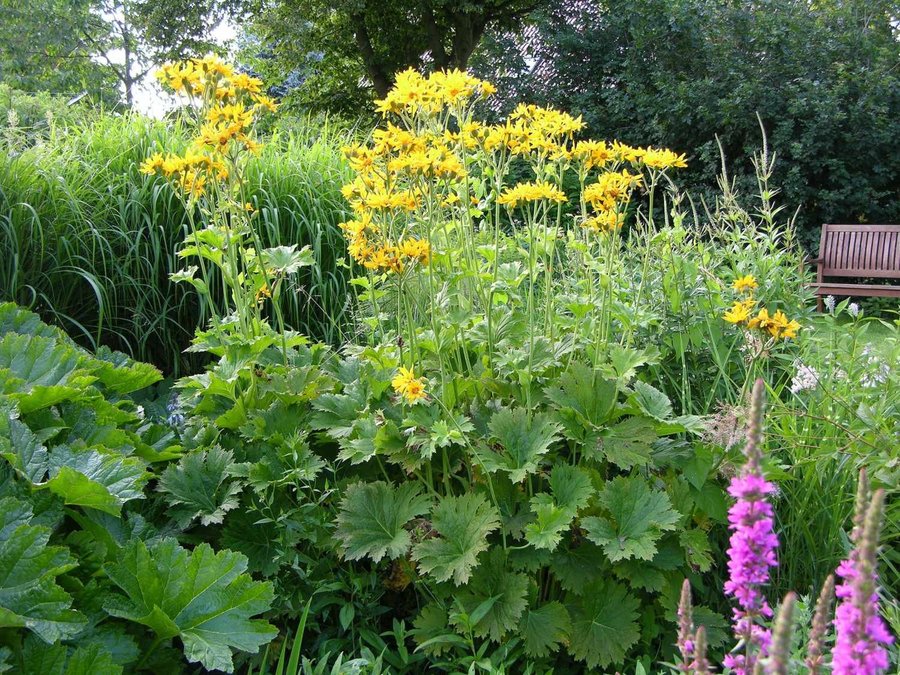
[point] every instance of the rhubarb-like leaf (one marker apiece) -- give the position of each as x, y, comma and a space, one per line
94, 479
29, 595
202, 597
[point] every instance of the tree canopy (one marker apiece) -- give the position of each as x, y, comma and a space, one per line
348, 50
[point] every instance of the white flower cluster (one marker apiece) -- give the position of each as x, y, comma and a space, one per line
876, 371
853, 309
805, 378
829, 303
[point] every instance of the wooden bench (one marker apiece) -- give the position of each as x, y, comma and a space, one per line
859, 252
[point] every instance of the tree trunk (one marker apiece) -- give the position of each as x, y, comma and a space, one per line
380, 79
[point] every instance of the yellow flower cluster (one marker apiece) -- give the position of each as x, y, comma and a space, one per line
531, 192
410, 387
210, 76
188, 172
741, 313
605, 221
413, 92
611, 189
363, 246
231, 102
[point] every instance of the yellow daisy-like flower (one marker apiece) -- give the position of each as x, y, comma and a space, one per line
745, 284
153, 164
740, 311
410, 387
531, 192
605, 221
416, 249
661, 158
610, 189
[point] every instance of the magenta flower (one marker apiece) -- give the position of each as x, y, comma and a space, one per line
861, 636
752, 550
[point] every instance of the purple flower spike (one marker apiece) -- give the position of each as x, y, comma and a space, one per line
861, 636
752, 549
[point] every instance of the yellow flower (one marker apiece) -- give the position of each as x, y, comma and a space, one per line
762, 320
263, 292
410, 387
610, 189
625, 153
605, 221
153, 164
592, 153
661, 158
740, 311
416, 249
745, 284
531, 192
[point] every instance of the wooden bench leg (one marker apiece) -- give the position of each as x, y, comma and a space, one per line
820, 304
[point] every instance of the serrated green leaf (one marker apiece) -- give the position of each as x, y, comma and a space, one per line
570, 490
523, 438
500, 592
15, 319
336, 413
95, 479
120, 374
464, 523
695, 543
549, 524
652, 401
636, 516
29, 595
545, 628
204, 598
571, 487
200, 486
432, 632
372, 519
20, 447
575, 568
627, 443
640, 574
584, 399
603, 624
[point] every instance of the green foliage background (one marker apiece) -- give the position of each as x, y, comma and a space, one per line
823, 78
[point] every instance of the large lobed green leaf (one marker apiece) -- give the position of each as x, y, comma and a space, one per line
198, 487
523, 438
637, 516
372, 519
603, 624
29, 595
202, 597
464, 524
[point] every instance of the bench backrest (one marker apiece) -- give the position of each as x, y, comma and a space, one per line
860, 251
